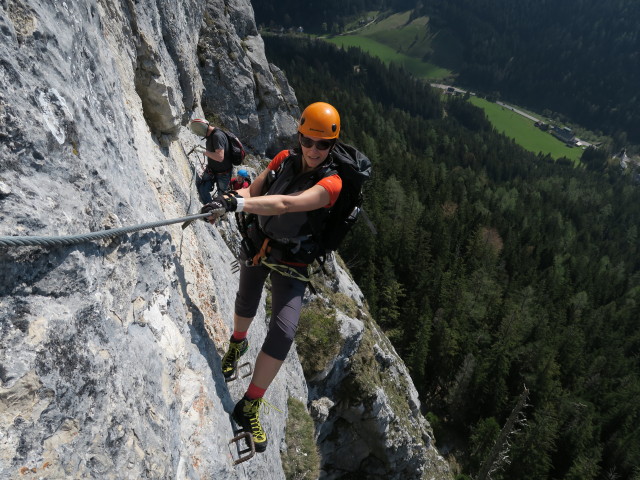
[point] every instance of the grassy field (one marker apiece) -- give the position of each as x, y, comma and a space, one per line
400, 41
414, 66
525, 133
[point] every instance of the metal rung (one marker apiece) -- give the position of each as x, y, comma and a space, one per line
235, 374
250, 450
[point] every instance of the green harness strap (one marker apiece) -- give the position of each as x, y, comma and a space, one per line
286, 271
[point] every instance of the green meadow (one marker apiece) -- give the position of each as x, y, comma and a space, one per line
399, 41
525, 133
414, 66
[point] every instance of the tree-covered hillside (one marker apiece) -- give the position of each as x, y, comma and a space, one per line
578, 58
493, 270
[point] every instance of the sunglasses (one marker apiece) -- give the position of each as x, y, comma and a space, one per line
306, 142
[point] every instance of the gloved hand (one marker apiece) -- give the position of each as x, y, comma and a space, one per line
218, 207
199, 149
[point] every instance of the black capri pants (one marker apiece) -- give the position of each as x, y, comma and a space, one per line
286, 303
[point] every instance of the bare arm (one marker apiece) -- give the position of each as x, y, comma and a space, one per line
310, 199
256, 187
216, 155
253, 202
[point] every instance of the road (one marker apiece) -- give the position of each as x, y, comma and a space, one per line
520, 112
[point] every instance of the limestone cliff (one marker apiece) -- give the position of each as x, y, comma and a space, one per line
110, 350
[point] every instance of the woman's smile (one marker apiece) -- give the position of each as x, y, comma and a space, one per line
312, 156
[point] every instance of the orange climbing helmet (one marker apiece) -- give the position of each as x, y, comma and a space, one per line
320, 120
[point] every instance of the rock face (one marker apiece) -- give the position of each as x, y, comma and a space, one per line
244, 91
110, 350
365, 406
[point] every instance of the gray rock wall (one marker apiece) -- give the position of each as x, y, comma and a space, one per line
244, 91
110, 350
365, 406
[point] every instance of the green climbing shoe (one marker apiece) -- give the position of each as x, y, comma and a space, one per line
247, 415
230, 359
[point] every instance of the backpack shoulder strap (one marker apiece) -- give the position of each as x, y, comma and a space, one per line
351, 162
272, 176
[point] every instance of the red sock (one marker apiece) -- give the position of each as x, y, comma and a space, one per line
239, 336
254, 392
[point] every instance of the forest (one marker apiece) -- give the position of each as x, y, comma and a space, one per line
577, 59
493, 271
580, 58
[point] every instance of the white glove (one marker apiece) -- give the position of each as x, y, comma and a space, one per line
199, 149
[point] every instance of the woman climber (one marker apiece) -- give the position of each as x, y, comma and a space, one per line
304, 186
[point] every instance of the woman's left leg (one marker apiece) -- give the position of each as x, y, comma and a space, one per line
247, 299
286, 303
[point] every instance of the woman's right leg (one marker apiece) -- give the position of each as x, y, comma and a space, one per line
248, 296
241, 324
247, 300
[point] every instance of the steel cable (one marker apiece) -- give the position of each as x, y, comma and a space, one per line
17, 241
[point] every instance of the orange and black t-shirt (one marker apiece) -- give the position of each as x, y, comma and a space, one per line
332, 184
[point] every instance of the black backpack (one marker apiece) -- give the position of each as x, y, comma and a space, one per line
354, 169
237, 150
328, 227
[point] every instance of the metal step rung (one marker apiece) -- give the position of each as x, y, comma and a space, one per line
235, 374
250, 451
235, 267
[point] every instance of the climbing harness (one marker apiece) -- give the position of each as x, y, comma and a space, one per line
260, 256
285, 270
257, 257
